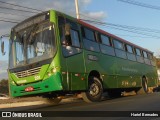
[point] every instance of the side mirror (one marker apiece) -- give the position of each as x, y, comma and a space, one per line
2, 48
68, 41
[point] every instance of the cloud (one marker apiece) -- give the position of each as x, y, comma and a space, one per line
100, 15
66, 6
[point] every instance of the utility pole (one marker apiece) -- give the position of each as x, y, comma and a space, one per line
77, 9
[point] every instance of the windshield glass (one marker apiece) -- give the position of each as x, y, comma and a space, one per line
33, 44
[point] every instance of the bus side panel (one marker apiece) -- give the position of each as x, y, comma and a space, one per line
128, 73
108, 70
103, 64
76, 69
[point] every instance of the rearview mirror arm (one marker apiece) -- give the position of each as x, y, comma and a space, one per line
2, 43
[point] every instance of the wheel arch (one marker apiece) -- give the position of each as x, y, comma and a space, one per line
95, 73
144, 76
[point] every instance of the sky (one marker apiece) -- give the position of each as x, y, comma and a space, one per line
119, 18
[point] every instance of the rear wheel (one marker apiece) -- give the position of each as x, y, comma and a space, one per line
94, 92
144, 84
144, 88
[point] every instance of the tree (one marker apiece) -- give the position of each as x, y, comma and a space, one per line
4, 86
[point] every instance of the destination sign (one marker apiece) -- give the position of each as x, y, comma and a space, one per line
30, 22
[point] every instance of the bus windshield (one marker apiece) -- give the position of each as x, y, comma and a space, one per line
32, 44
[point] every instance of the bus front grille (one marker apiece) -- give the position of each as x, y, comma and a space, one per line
29, 72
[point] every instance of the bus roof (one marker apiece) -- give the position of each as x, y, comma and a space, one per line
111, 35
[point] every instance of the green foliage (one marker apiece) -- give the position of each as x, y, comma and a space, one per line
4, 86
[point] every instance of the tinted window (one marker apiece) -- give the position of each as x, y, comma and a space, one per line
145, 54
118, 44
150, 56
107, 50
105, 40
138, 52
89, 34
90, 45
129, 48
120, 53
75, 38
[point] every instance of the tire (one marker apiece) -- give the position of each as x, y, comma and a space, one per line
144, 88
144, 85
53, 101
94, 92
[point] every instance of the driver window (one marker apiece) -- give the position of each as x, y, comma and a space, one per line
70, 40
75, 38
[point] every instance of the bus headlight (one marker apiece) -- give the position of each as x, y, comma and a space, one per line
49, 74
54, 70
13, 83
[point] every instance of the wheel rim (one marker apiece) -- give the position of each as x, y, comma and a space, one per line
94, 90
144, 84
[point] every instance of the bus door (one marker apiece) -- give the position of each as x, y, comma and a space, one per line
73, 56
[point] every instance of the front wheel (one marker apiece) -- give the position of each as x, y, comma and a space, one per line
94, 92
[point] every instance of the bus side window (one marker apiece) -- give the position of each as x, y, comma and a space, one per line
75, 38
89, 39
88, 34
138, 52
146, 58
118, 44
70, 38
130, 52
106, 45
139, 55
145, 54
129, 49
119, 49
68, 41
69, 33
105, 40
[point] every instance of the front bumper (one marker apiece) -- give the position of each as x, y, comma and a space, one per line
51, 84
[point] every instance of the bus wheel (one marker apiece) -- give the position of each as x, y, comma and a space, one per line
144, 84
53, 101
144, 88
94, 92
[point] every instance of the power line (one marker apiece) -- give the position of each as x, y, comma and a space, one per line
140, 4
20, 6
140, 33
17, 9
8, 21
123, 29
14, 14
121, 26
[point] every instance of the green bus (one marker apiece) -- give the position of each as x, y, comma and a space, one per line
52, 54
